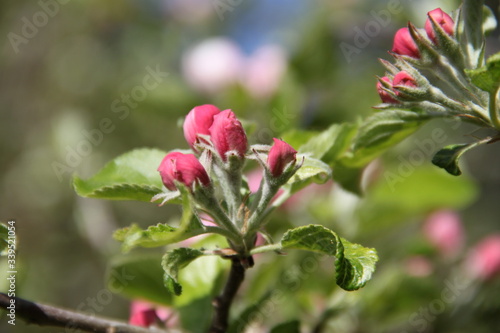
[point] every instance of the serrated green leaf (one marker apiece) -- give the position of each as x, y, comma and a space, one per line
381, 131
311, 171
162, 234
138, 276
314, 238
354, 264
448, 157
487, 77
131, 176
172, 262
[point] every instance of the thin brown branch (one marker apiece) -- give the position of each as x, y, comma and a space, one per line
222, 304
46, 315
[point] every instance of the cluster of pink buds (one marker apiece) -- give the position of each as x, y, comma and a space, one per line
219, 149
429, 72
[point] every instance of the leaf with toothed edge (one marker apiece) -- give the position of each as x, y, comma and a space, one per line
131, 176
162, 234
354, 264
172, 262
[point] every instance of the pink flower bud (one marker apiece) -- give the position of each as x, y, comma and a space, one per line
184, 168
145, 314
444, 230
484, 260
198, 121
280, 155
403, 79
442, 19
227, 134
142, 314
384, 95
404, 44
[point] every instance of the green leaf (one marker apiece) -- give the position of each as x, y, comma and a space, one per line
349, 178
331, 143
487, 77
172, 262
448, 157
131, 176
381, 131
162, 234
138, 276
296, 138
354, 264
311, 171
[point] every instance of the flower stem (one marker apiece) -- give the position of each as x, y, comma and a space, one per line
222, 304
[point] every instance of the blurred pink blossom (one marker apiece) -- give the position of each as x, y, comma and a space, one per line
263, 71
483, 261
145, 314
444, 230
418, 266
213, 65
217, 63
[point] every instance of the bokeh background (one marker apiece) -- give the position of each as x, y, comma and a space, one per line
82, 82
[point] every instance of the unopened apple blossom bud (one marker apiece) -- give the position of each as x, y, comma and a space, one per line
442, 19
384, 95
404, 44
184, 168
198, 121
280, 155
403, 79
227, 135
